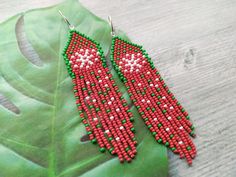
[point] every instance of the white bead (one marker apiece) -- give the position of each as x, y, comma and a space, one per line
76, 53
94, 100
151, 85
87, 98
109, 102
169, 118
148, 72
163, 97
95, 119
155, 119
137, 70
157, 79
148, 101
106, 77
181, 128
107, 131
180, 142
70, 61
112, 117
171, 107
167, 129
87, 82
77, 60
118, 109
156, 85
76, 66
127, 54
99, 71
138, 54
100, 81
106, 85
72, 57
117, 139
93, 50
81, 50
96, 59
112, 98
139, 84
121, 128
165, 106
87, 67
97, 53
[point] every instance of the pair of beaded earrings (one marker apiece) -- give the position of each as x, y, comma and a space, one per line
104, 111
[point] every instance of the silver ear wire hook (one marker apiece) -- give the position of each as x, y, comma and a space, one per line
66, 20
112, 27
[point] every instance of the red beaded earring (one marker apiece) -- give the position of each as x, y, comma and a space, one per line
166, 119
101, 106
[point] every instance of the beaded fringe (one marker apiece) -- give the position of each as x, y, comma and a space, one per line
102, 108
162, 113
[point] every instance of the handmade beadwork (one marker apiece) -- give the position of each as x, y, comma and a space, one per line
162, 113
101, 106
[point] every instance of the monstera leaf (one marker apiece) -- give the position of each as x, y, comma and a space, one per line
41, 133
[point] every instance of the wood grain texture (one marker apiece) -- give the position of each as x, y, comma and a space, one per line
193, 43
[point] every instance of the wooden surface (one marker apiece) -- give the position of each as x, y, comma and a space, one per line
193, 43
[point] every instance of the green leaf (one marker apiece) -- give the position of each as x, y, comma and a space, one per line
45, 136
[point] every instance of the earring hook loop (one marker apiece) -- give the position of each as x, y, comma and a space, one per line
112, 27
66, 20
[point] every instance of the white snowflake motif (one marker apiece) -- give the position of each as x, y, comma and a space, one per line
132, 62
84, 58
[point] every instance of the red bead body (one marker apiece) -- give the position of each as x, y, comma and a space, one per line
162, 113
102, 108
